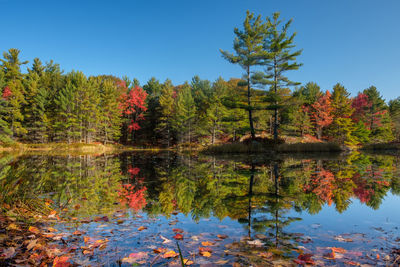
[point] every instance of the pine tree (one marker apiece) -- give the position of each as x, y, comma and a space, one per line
342, 126
11, 66
378, 117
167, 109
249, 50
278, 60
394, 109
185, 113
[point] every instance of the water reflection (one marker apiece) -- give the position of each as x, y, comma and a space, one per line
264, 195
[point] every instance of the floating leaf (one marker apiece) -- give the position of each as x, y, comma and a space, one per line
178, 237
338, 250
187, 262
177, 230
304, 259
352, 263
221, 262
78, 232
141, 228
222, 236
207, 243
170, 254
205, 254
266, 255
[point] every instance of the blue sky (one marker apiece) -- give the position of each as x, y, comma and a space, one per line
354, 42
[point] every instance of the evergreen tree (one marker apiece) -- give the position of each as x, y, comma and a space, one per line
394, 109
185, 113
378, 118
152, 116
342, 126
249, 50
167, 109
278, 60
11, 66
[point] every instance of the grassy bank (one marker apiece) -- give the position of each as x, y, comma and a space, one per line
257, 147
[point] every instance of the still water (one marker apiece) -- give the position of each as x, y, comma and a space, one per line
226, 211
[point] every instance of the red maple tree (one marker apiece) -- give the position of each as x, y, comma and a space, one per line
321, 113
133, 105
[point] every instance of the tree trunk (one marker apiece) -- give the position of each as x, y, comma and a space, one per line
253, 133
275, 102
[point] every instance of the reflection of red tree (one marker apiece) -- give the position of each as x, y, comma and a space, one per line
363, 190
133, 195
322, 184
134, 199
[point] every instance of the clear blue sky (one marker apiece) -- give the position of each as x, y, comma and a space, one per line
354, 42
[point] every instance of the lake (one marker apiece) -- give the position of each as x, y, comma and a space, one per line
142, 208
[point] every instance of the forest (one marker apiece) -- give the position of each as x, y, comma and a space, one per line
45, 105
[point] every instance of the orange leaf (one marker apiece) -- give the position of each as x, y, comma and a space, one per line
187, 262
78, 232
207, 243
205, 254
222, 236
170, 254
141, 228
33, 229
338, 250
61, 261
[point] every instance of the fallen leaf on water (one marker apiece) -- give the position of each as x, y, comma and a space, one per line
222, 236
104, 219
160, 250
330, 256
338, 250
377, 256
141, 228
352, 263
304, 259
135, 257
165, 240
177, 230
256, 242
61, 261
170, 254
8, 253
178, 237
205, 254
221, 262
207, 243
51, 230
205, 251
187, 262
33, 229
78, 232
342, 239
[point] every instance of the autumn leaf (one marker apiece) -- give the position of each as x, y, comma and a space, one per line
304, 259
352, 263
177, 230
78, 232
221, 262
135, 257
207, 243
61, 261
33, 229
187, 262
77, 206
205, 251
329, 256
141, 228
13, 226
338, 250
170, 254
222, 236
178, 237
205, 254
160, 250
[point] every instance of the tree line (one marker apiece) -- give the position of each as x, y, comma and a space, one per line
44, 104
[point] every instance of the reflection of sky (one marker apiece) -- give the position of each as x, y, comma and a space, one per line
357, 216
